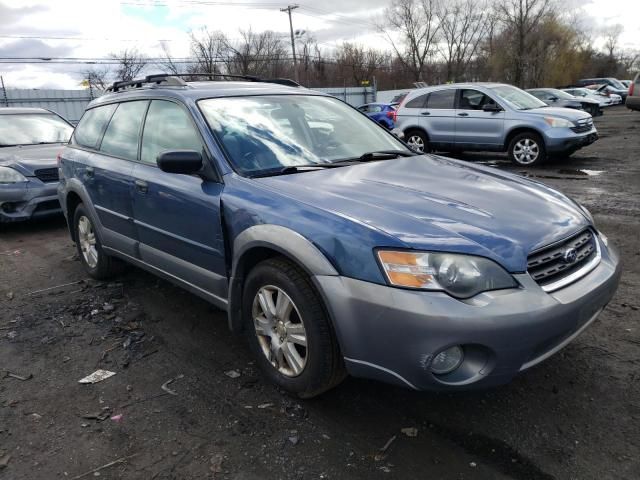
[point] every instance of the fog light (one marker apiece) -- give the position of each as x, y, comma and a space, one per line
447, 360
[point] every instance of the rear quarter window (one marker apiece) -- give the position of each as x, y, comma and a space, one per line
418, 102
92, 125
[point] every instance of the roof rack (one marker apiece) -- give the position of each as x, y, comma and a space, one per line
174, 79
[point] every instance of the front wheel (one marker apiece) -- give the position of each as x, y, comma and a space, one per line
288, 330
527, 149
418, 141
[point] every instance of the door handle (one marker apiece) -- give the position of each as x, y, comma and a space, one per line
425, 113
142, 186
463, 114
89, 172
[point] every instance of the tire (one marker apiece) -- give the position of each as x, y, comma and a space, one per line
304, 370
418, 141
97, 264
518, 153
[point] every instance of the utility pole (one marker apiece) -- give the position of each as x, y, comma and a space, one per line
293, 41
4, 92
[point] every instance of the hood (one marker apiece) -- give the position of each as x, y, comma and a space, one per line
434, 203
566, 113
28, 158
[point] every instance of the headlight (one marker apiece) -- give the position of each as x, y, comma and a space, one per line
9, 175
461, 276
558, 122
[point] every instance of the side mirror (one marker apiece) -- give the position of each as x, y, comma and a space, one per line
180, 161
491, 107
398, 133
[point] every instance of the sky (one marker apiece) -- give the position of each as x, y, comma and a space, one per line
91, 29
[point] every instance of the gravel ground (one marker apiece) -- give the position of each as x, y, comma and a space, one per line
187, 401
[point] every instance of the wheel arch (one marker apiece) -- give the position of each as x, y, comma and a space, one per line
416, 128
517, 131
261, 242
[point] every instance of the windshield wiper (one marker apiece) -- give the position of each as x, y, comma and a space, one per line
374, 156
297, 169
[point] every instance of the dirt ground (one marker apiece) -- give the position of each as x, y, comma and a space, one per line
575, 416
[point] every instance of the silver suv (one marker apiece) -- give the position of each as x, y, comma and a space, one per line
492, 117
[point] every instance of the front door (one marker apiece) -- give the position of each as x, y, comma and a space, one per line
178, 216
477, 129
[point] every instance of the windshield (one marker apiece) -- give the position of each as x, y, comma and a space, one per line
518, 99
33, 129
617, 84
560, 94
268, 133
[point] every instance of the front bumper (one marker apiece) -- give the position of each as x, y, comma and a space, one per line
561, 140
392, 334
31, 199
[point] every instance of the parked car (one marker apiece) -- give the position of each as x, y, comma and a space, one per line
334, 247
581, 92
626, 83
380, 112
557, 98
491, 117
30, 139
615, 85
609, 91
633, 99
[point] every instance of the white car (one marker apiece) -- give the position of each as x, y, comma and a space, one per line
602, 99
609, 91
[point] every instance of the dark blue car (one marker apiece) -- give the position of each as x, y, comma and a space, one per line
331, 245
382, 113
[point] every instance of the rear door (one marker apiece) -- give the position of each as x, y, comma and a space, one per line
438, 117
177, 217
112, 133
475, 128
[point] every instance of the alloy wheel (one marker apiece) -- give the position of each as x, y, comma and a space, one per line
280, 330
416, 143
526, 151
87, 240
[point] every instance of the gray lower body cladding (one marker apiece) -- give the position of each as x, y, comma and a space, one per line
392, 334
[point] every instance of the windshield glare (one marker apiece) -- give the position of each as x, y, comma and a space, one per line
518, 99
33, 128
561, 94
268, 133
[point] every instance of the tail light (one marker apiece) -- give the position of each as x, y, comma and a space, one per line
631, 89
390, 114
59, 159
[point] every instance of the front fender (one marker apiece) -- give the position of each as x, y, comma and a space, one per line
280, 239
73, 185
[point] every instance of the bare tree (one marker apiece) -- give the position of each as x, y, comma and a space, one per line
130, 62
168, 64
262, 54
210, 51
358, 62
611, 39
97, 78
464, 24
520, 18
415, 21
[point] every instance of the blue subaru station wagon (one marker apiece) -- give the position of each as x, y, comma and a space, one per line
331, 245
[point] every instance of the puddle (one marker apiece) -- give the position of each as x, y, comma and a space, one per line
583, 171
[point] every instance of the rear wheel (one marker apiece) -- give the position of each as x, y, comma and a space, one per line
288, 330
418, 141
527, 149
98, 264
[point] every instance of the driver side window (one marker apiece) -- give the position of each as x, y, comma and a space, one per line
168, 127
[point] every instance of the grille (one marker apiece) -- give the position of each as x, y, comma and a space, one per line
556, 262
47, 174
583, 126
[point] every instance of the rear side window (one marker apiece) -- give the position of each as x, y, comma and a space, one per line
441, 99
90, 129
418, 102
123, 133
168, 127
